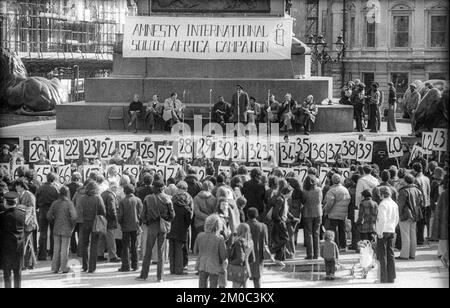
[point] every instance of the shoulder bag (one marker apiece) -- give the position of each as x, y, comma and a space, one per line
236, 273
100, 223
164, 225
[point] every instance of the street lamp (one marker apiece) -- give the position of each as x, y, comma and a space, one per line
318, 45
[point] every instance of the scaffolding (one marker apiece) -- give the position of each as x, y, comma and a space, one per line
62, 29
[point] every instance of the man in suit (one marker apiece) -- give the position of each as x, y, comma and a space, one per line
239, 105
260, 238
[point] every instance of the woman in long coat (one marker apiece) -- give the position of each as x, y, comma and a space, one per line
440, 226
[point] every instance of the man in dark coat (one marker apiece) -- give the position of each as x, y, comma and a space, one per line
239, 105
110, 200
45, 196
254, 191
221, 112
194, 186
260, 237
12, 224
183, 206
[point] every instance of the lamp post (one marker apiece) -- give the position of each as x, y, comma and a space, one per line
320, 54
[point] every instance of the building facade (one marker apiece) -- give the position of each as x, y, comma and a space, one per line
395, 41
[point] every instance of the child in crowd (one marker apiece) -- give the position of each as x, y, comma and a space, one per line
330, 253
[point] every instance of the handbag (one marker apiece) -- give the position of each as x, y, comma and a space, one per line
237, 273
164, 225
100, 223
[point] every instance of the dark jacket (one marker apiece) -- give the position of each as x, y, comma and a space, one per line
12, 224
91, 205
73, 187
46, 195
255, 193
156, 207
63, 215
410, 203
130, 212
144, 191
367, 218
260, 237
111, 207
440, 225
204, 205
194, 186
182, 205
242, 253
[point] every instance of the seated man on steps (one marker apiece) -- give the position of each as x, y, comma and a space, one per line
134, 111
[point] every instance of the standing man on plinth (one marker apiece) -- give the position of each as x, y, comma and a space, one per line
239, 105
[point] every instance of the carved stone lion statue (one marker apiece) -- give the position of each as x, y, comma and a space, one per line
26, 95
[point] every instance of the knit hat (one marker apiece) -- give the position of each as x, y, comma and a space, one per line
11, 197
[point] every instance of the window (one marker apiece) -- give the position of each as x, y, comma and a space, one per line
401, 83
352, 31
368, 79
401, 31
370, 34
438, 31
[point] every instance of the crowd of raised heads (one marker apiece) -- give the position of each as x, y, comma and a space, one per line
248, 215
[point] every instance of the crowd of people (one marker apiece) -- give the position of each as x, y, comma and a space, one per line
230, 222
370, 102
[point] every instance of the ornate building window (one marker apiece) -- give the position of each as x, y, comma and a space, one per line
401, 31
438, 31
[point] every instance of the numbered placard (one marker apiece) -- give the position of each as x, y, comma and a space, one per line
72, 149
90, 148
365, 151
345, 172
64, 174
319, 151
224, 148
15, 168
266, 171
42, 171
107, 149
285, 171
164, 155
87, 169
172, 171
394, 147
349, 148
239, 151
427, 143
201, 173
301, 173
126, 147
323, 175
56, 154
147, 151
161, 170
35, 148
203, 147
440, 137
333, 148
287, 152
134, 170
185, 147
303, 145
